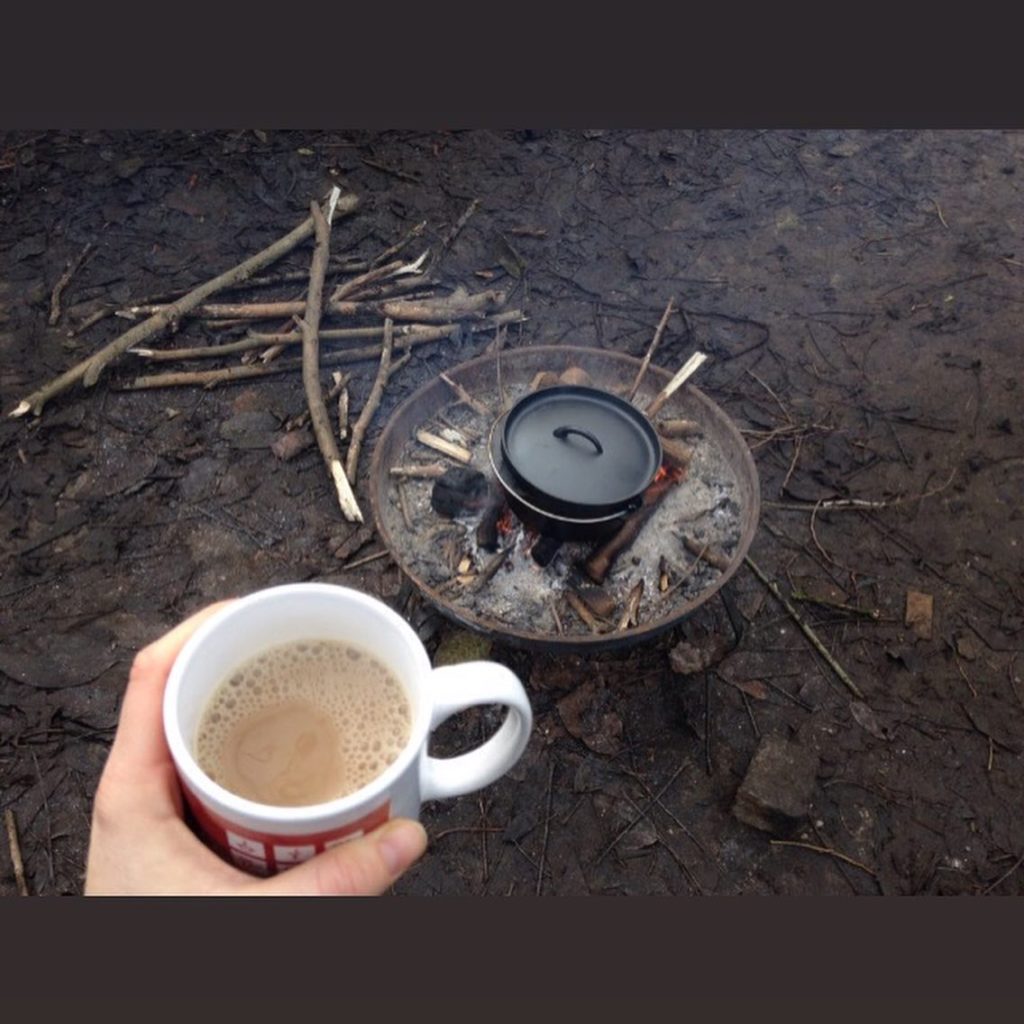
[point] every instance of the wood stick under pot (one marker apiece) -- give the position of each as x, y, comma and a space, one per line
599, 564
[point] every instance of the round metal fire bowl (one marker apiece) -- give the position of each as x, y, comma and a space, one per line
610, 370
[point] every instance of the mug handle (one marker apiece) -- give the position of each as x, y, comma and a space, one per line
455, 688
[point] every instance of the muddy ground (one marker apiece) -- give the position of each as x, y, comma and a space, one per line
859, 294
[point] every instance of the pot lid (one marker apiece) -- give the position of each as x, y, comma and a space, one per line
580, 445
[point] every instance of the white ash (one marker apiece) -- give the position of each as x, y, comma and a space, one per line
704, 507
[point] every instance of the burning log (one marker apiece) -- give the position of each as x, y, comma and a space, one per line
679, 428
600, 562
602, 604
676, 453
577, 377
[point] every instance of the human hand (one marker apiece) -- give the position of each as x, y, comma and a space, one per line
140, 844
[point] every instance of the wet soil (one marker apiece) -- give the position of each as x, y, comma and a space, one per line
859, 295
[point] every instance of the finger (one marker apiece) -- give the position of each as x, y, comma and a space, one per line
366, 866
139, 743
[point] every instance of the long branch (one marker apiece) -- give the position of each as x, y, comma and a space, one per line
416, 337
89, 370
457, 306
309, 326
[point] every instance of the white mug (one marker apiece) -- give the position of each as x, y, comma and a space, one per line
263, 839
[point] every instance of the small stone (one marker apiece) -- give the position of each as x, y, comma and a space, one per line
687, 658
250, 430
775, 795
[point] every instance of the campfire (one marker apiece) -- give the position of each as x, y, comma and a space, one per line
495, 563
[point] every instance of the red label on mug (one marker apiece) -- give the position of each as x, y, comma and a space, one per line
262, 853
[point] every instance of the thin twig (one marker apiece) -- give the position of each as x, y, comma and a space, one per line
806, 630
828, 852
796, 455
15, 848
458, 226
341, 388
429, 471
839, 504
394, 250
650, 350
62, 283
49, 820
372, 402
357, 284
686, 573
1002, 878
257, 340
707, 722
750, 714
654, 799
689, 368
439, 444
547, 829
555, 616
465, 397
394, 172
366, 561
403, 506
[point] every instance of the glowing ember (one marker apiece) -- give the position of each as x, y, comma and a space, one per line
667, 472
507, 522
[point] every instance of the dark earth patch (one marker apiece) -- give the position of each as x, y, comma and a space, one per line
859, 295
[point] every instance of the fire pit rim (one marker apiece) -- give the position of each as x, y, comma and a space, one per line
436, 394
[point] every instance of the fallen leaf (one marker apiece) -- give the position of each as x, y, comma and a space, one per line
919, 613
868, 720
751, 687
583, 716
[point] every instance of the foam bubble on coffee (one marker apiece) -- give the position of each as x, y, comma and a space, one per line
303, 723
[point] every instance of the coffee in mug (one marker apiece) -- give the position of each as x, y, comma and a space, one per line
303, 723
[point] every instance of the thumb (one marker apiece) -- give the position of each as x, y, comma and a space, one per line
366, 866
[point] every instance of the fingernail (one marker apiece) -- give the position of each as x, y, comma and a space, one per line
401, 842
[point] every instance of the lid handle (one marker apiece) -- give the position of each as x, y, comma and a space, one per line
563, 432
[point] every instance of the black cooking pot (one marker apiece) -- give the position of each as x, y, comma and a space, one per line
574, 461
